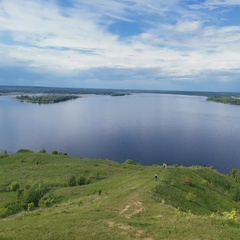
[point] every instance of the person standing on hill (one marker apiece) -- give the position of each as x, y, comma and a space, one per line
165, 165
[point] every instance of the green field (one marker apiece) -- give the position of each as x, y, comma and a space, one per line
54, 196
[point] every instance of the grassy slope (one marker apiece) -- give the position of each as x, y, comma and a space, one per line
132, 205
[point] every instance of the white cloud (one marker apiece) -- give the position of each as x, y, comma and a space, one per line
212, 4
187, 26
174, 40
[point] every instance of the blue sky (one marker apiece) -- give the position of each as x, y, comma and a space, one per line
128, 44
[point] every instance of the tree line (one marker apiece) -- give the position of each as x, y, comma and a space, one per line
46, 98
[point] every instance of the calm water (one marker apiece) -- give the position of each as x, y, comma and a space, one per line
148, 128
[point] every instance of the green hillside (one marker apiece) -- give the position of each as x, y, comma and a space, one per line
54, 196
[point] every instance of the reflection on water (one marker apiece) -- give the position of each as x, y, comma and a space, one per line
148, 128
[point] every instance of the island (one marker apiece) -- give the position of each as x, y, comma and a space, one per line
225, 99
45, 99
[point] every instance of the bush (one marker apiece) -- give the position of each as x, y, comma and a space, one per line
205, 183
72, 181
190, 196
60, 153
129, 161
32, 195
99, 191
230, 215
87, 181
54, 152
14, 186
236, 194
4, 154
25, 150
11, 209
31, 207
235, 174
42, 150
81, 180
46, 201
188, 181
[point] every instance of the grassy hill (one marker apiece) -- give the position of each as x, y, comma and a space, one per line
54, 196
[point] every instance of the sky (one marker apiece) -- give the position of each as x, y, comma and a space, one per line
191, 45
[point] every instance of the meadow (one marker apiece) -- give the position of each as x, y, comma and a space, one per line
55, 196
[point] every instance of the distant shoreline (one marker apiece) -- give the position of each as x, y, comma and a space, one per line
15, 90
233, 100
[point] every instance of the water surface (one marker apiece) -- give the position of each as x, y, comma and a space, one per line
148, 128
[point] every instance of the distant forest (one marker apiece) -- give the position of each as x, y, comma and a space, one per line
225, 99
46, 98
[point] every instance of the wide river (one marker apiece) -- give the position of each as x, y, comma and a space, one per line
148, 128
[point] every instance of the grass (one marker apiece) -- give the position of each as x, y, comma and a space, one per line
123, 201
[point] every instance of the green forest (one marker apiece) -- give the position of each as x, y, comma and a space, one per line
46, 98
225, 99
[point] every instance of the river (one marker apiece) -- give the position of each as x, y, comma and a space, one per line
147, 128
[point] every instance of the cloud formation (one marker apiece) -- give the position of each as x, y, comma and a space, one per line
121, 43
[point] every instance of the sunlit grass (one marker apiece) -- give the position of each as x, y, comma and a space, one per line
123, 201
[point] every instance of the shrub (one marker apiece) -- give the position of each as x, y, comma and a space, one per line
190, 196
14, 186
236, 194
46, 201
188, 181
19, 193
72, 181
235, 174
81, 180
11, 209
38, 162
42, 150
33, 195
99, 191
205, 183
4, 154
88, 181
129, 161
25, 150
231, 215
30, 206
60, 153
54, 152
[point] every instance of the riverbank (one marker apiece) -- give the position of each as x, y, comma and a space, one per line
234, 100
